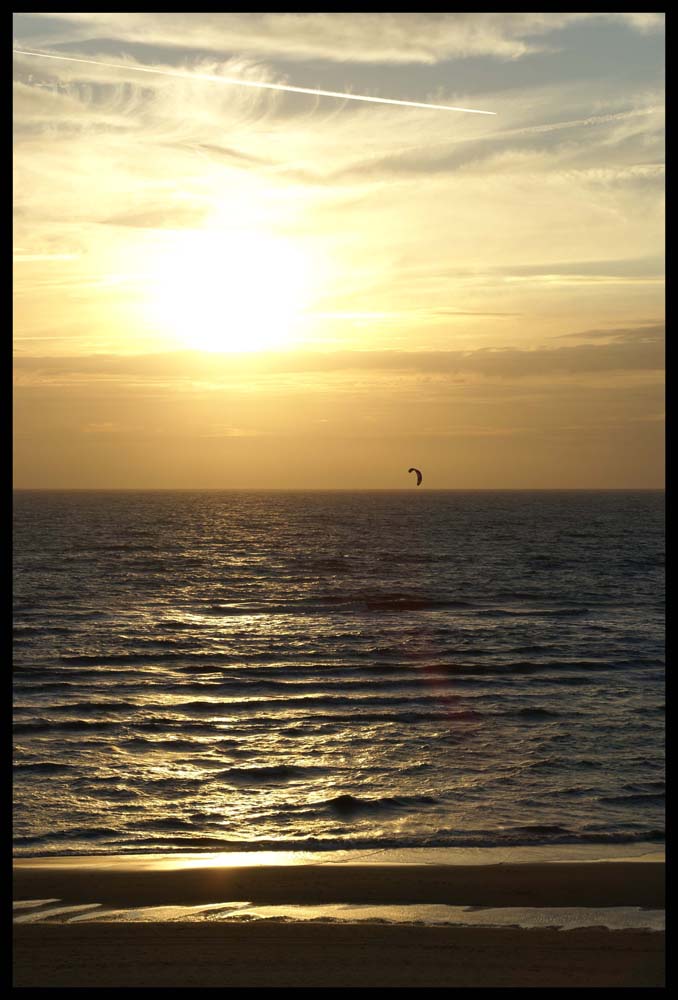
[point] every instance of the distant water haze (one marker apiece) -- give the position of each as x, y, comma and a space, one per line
320, 671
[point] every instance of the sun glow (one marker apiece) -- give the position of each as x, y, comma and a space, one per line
229, 291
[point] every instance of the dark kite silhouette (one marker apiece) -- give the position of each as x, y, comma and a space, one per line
419, 475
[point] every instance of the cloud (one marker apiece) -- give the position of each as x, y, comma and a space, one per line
398, 38
241, 82
441, 238
646, 333
499, 146
626, 268
631, 350
623, 271
167, 216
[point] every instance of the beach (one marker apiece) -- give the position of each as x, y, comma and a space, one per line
324, 955
339, 515
118, 950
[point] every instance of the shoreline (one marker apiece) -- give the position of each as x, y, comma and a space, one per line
117, 950
582, 852
608, 883
578, 876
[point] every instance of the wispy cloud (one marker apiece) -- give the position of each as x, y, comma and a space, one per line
466, 276
176, 153
479, 151
646, 333
236, 82
633, 349
399, 38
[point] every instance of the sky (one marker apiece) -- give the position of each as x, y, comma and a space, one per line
226, 286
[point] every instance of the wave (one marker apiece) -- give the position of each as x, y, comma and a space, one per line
143, 744
134, 657
75, 833
86, 708
658, 785
262, 775
537, 713
510, 837
210, 727
65, 725
429, 703
163, 823
43, 767
655, 798
339, 603
500, 612
174, 784
393, 657
565, 763
348, 805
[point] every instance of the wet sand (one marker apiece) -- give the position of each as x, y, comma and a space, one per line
322, 954
610, 883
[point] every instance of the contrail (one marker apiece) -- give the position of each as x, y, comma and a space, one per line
212, 78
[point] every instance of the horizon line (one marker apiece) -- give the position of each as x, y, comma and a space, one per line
338, 489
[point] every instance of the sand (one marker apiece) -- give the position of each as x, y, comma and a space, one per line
322, 954
327, 955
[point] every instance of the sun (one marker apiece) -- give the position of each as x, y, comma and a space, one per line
230, 291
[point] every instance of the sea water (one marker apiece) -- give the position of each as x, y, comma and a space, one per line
323, 671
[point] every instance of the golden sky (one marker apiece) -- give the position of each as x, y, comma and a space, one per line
235, 286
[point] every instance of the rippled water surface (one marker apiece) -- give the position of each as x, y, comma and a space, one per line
323, 670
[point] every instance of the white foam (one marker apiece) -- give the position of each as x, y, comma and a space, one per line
563, 918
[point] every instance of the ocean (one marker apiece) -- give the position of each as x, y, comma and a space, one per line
337, 670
